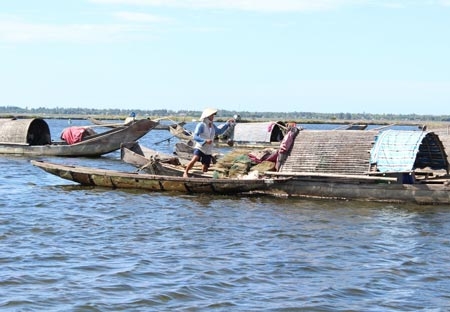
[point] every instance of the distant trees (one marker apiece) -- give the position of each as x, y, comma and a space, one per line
245, 115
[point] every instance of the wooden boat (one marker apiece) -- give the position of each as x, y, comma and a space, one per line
118, 179
252, 135
107, 124
181, 133
388, 166
159, 126
137, 155
184, 150
153, 162
364, 188
236, 163
32, 137
142, 157
353, 127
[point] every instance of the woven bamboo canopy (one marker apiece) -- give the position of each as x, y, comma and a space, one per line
24, 131
259, 132
351, 152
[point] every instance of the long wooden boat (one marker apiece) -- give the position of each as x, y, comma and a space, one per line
32, 137
181, 133
363, 188
253, 135
137, 155
388, 166
117, 179
153, 162
352, 127
184, 150
159, 126
99, 122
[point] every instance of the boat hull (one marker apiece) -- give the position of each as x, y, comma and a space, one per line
364, 189
117, 180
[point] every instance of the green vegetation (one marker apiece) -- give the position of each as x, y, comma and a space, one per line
187, 115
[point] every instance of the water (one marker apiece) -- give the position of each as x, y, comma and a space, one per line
69, 248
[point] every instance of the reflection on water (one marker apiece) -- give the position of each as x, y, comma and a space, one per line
67, 247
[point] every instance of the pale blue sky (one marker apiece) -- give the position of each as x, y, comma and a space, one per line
373, 56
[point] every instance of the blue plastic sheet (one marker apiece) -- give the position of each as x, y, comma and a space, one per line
396, 151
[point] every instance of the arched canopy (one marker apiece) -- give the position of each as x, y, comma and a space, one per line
259, 132
24, 131
330, 151
356, 152
399, 151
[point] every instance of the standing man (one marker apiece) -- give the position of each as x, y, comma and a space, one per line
204, 134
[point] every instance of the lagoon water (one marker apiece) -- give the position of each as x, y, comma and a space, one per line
64, 247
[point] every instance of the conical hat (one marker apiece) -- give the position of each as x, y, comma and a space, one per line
208, 112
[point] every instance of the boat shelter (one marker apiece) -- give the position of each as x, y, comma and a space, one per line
24, 131
403, 151
355, 152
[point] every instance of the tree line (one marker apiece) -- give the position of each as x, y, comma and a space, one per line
245, 115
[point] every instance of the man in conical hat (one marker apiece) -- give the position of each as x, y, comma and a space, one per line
204, 134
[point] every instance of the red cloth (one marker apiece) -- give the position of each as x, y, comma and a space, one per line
73, 135
285, 146
264, 155
288, 139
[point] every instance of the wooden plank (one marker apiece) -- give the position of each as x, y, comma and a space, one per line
330, 175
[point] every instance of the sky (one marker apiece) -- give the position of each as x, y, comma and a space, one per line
326, 56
